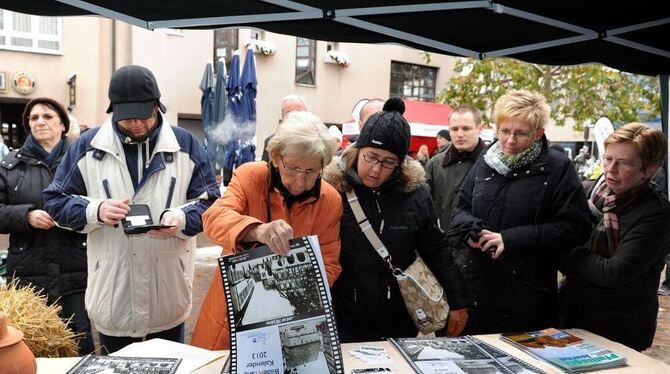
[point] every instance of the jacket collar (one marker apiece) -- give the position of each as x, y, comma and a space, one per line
24, 154
276, 184
452, 154
541, 165
107, 140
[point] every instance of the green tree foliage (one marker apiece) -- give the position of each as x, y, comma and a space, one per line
581, 92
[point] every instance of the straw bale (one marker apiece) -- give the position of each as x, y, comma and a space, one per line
45, 333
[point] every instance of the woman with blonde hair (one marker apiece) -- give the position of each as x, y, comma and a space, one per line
611, 280
521, 205
271, 203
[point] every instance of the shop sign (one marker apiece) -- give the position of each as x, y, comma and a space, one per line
23, 82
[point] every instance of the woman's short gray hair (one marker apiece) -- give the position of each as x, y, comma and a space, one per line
302, 134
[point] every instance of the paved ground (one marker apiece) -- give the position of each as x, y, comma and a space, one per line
206, 263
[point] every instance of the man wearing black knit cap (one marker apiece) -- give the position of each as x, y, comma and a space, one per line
133, 171
443, 139
394, 198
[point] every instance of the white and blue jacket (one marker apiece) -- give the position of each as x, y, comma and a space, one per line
137, 285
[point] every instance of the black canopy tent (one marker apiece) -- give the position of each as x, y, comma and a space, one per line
632, 36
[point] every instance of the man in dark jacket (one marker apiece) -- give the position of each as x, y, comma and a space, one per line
446, 171
521, 205
443, 139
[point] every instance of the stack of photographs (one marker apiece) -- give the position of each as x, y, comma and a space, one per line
459, 355
280, 312
125, 365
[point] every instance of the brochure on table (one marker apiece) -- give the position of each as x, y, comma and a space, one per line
152, 356
280, 311
125, 365
192, 358
564, 350
459, 355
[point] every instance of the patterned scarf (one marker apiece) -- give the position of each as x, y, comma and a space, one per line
605, 208
503, 163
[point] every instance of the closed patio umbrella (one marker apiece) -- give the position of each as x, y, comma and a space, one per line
248, 83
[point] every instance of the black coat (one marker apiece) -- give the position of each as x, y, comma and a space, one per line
367, 301
540, 211
616, 297
51, 259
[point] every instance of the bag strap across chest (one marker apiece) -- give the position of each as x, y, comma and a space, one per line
369, 232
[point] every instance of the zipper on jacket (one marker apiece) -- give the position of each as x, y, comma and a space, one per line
173, 181
379, 210
354, 295
388, 292
140, 163
105, 185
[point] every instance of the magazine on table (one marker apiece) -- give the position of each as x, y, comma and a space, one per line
125, 365
459, 355
280, 311
566, 351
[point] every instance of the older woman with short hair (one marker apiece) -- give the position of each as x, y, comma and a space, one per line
521, 205
612, 279
40, 253
271, 203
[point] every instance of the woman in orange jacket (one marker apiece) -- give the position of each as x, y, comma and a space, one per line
270, 203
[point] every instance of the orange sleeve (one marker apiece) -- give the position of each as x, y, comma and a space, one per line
227, 220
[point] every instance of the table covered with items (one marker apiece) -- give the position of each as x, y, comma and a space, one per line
421, 355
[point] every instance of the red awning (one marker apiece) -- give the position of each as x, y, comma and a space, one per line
427, 112
425, 120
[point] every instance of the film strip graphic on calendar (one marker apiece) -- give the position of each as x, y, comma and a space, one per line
280, 311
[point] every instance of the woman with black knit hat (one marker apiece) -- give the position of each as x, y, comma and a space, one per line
393, 196
40, 253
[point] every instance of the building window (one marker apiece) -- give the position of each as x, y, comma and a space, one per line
305, 61
411, 81
23, 32
225, 43
257, 34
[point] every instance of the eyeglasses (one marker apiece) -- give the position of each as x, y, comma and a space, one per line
295, 171
516, 134
386, 164
36, 117
625, 165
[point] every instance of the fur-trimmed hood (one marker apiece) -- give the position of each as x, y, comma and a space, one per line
411, 176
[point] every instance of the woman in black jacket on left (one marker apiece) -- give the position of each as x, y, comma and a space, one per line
50, 258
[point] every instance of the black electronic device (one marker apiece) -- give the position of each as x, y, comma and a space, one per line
139, 221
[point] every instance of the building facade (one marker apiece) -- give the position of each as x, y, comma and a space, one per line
71, 59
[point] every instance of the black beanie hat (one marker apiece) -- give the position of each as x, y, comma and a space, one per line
387, 130
444, 134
